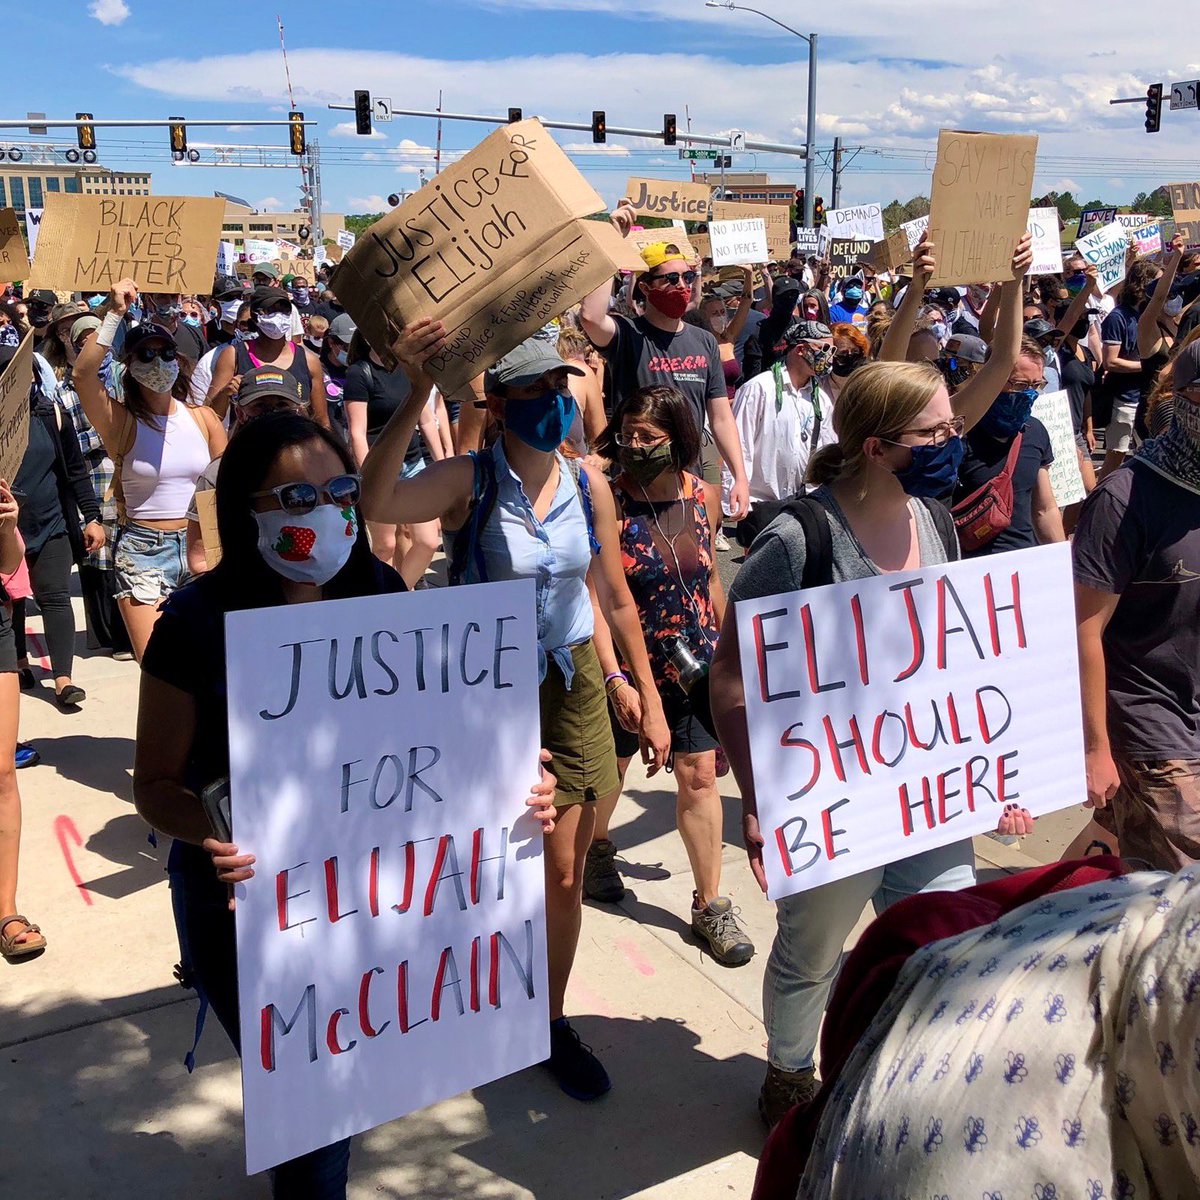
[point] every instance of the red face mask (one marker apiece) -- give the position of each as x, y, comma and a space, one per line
671, 302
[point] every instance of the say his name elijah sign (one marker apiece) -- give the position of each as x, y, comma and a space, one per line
392, 943
162, 243
494, 247
896, 714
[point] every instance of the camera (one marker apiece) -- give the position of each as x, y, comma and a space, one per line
691, 669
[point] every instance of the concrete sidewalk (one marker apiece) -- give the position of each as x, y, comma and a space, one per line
97, 1103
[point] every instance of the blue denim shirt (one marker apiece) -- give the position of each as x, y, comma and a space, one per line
554, 553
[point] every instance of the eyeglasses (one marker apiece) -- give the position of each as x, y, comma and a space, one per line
672, 278
299, 499
1025, 385
937, 434
246, 325
148, 354
629, 441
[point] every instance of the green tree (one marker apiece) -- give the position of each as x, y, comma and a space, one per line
360, 222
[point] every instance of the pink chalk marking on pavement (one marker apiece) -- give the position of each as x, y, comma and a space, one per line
64, 828
636, 958
583, 999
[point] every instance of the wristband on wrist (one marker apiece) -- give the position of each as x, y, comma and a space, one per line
107, 332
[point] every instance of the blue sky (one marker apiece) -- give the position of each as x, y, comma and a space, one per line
889, 77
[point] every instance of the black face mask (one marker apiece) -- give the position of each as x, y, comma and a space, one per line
846, 361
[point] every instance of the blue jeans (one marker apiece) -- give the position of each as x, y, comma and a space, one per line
208, 948
811, 929
149, 563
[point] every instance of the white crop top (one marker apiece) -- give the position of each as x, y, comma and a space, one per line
158, 475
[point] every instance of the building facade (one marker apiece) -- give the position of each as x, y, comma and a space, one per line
241, 223
750, 187
26, 184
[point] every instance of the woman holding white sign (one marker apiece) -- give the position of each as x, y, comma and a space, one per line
899, 445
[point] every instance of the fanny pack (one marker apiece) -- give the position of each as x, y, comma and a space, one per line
987, 512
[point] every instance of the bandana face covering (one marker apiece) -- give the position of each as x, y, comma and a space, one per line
1008, 414
156, 375
934, 469
819, 359
671, 302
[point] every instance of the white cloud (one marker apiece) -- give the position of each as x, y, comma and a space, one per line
613, 148
367, 204
270, 204
346, 129
109, 12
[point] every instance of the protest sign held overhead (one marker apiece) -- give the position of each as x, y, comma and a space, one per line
702, 244
1146, 239
1134, 220
1092, 219
669, 198
346, 239
226, 258
1047, 247
639, 239
494, 247
956, 693
1105, 249
14, 408
258, 250
915, 230
845, 255
979, 206
862, 221
889, 253
738, 242
14, 262
162, 243
773, 216
1053, 409
1185, 205
391, 948
807, 241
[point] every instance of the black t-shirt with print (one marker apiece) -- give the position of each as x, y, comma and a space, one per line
641, 355
383, 392
985, 459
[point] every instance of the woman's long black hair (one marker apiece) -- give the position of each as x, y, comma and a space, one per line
248, 459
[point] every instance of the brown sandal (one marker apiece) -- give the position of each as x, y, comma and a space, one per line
10, 947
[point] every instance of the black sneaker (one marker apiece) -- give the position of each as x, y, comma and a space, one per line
573, 1064
600, 879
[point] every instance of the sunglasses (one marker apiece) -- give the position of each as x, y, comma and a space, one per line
299, 499
672, 278
148, 354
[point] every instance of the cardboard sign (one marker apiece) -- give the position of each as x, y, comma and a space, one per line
1092, 219
495, 246
845, 254
774, 217
808, 241
915, 230
346, 239
1185, 205
862, 221
979, 206
1047, 247
1053, 409
258, 250
639, 239
163, 243
736, 243
1105, 248
703, 245
1146, 239
392, 945
14, 262
899, 713
892, 252
669, 198
206, 510
33, 223
14, 408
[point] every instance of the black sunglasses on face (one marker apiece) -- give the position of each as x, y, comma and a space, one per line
299, 499
148, 354
672, 278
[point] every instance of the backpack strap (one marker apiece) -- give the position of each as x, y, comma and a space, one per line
585, 496
466, 548
818, 541
944, 523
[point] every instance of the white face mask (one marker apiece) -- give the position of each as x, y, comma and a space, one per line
316, 342
274, 325
230, 309
1173, 307
308, 549
156, 375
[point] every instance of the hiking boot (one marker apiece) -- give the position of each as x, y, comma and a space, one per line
717, 925
783, 1090
573, 1064
600, 879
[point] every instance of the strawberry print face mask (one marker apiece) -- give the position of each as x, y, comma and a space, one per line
307, 549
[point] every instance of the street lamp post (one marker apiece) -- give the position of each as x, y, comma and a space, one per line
810, 135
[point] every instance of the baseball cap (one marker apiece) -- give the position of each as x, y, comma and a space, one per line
945, 297
140, 334
343, 328
1038, 327
42, 296
82, 325
729, 291
657, 253
806, 331
525, 365
265, 269
1186, 370
969, 348
227, 287
269, 381
264, 297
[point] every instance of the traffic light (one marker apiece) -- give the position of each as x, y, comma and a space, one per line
1153, 107
86, 134
178, 138
598, 127
514, 115
296, 131
819, 211
362, 113
668, 129
723, 160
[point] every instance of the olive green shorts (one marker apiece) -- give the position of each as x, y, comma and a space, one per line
576, 731
709, 466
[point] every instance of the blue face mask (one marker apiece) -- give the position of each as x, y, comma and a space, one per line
96, 301
852, 293
1007, 416
135, 312
934, 469
194, 322
543, 421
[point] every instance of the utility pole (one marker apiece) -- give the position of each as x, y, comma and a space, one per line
837, 172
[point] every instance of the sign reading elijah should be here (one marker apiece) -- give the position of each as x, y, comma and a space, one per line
392, 943
899, 713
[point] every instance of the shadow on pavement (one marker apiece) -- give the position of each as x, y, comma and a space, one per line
124, 840
100, 763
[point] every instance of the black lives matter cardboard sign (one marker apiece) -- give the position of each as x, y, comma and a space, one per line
979, 204
494, 248
14, 409
162, 243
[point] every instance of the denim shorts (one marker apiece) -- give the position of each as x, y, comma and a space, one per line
149, 563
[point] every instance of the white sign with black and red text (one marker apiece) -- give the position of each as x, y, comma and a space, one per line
896, 714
